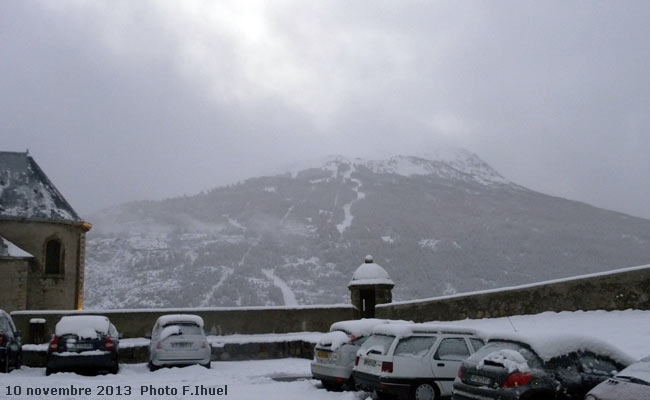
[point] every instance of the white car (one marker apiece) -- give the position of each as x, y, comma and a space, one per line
413, 361
335, 352
178, 340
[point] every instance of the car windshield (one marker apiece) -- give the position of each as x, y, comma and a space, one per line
4, 325
638, 372
496, 346
187, 329
359, 340
377, 344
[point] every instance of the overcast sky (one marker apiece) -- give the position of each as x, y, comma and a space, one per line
131, 100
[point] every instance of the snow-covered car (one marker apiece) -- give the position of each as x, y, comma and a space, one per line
83, 342
10, 343
632, 383
413, 361
537, 367
335, 352
178, 340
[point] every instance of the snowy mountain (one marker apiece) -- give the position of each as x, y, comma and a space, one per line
439, 225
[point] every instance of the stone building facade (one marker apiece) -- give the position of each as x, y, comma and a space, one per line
35, 218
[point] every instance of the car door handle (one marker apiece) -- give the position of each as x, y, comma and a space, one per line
441, 364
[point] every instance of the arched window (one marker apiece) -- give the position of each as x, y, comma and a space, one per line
53, 257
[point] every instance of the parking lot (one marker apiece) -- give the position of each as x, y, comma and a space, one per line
290, 378
268, 379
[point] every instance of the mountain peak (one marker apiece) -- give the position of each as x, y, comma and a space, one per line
447, 163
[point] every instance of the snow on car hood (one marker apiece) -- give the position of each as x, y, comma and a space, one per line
551, 345
334, 339
640, 370
510, 359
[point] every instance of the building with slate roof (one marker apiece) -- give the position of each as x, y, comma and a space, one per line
42, 240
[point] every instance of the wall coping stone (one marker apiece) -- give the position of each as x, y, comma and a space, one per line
516, 288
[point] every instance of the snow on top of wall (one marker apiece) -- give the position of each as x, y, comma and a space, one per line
85, 326
179, 319
512, 288
220, 341
181, 310
551, 345
358, 327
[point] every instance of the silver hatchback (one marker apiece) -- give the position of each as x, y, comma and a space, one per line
178, 340
335, 352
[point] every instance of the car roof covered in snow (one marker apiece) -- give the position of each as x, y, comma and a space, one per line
551, 345
76, 324
180, 319
358, 327
410, 329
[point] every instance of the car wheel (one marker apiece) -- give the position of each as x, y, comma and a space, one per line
49, 371
115, 369
206, 365
350, 384
19, 361
424, 391
152, 367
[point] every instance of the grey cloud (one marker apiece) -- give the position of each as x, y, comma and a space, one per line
151, 99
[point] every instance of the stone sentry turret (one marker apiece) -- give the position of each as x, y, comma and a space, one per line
370, 285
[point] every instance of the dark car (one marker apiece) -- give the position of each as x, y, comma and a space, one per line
633, 383
538, 367
10, 344
83, 343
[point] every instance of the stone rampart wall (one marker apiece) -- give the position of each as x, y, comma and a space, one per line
616, 290
218, 321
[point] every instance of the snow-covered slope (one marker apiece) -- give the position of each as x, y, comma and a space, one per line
438, 226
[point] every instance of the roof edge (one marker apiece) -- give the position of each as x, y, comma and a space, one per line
45, 179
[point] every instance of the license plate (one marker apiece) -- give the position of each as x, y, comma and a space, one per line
369, 362
82, 346
181, 345
482, 380
323, 354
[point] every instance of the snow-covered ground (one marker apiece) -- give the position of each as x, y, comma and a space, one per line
243, 379
289, 378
